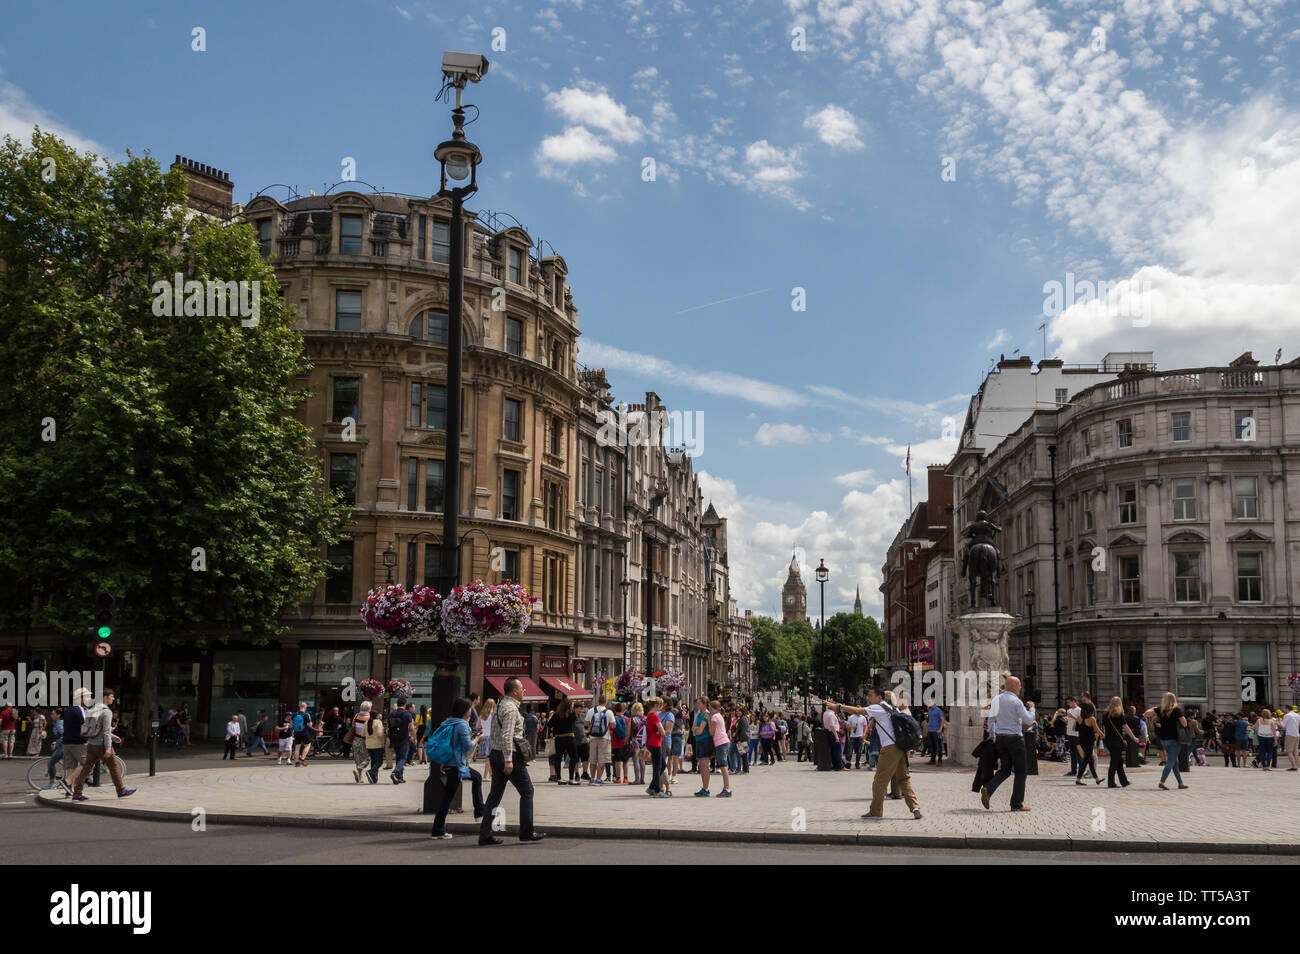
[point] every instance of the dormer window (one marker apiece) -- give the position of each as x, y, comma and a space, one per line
441, 241
517, 266
264, 237
350, 234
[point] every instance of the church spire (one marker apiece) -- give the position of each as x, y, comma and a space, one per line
857, 601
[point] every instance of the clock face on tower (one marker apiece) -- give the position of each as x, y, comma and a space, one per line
789, 600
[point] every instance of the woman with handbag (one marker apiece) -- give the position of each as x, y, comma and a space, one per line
637, 741
36, 738
356, 737
375, 741
561, 731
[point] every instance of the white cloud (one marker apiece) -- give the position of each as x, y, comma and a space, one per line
856, 478
575, 145
773, 435
930, 414
596, 108
1000, 337
852, 540
836, 127
18, 117
722, 383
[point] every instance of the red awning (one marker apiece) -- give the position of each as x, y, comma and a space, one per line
566, 688
532, 692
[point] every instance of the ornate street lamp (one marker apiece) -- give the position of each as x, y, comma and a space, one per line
625, 585
390, 561
458, 159
1031, 672
823, 574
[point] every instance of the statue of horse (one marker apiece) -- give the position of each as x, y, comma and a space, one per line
980, 559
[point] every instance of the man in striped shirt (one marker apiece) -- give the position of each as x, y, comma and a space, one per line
508, 765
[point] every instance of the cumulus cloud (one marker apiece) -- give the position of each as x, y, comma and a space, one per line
853, 540
836, 127
575, 145
722, 383
773, 435
19, 116
596, 108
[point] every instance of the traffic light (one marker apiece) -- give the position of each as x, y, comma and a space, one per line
103, 628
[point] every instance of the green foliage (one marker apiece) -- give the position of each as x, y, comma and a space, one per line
171, 432
854, 646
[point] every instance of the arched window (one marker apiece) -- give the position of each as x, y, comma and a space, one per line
430, 326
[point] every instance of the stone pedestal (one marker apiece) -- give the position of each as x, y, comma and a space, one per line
982, 655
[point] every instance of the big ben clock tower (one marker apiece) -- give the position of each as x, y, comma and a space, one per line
794, 598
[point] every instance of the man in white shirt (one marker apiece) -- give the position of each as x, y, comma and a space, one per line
892, 763
832, 725
1072, 715
599, 723
857, 732
1291, 730
1007, 719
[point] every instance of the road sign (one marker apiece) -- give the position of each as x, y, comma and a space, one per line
103, 649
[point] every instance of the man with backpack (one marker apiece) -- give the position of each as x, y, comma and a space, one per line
598, 724
898, 733
620, 745
401, 734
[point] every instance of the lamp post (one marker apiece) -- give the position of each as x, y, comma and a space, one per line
390, 561
458, 160
625, 585
823, 574
1056, 584
1031, 672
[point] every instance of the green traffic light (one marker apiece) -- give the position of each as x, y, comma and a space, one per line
104, 632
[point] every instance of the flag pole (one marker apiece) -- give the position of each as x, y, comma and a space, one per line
909, 480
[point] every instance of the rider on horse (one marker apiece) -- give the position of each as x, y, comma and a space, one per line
980, 559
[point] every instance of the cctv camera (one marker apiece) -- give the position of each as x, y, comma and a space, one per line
460, 67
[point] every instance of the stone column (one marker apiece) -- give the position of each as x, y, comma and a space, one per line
982, 650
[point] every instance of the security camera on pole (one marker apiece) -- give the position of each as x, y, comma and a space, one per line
458, 160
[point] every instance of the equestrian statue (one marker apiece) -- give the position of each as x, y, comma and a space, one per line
980, 559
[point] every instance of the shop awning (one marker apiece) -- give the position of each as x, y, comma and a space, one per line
566, 688
532, 692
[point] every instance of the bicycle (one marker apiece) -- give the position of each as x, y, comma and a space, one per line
38, 774
329, 744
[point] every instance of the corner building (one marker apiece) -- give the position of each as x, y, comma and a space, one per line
1176, 498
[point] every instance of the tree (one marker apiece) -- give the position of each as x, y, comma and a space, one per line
854, 646
152, 456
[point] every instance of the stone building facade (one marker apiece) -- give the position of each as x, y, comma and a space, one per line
1176, 498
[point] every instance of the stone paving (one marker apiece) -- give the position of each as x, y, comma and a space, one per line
1244, 809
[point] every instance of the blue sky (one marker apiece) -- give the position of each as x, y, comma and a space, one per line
1156, 143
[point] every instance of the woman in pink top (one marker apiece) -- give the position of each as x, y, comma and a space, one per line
721, 745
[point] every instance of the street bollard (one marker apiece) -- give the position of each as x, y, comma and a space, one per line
153, 749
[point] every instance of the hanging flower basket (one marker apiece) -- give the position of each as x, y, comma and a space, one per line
1293, 681
371, 688
400, 688
396, 615
670, 683
630, 681
477, 612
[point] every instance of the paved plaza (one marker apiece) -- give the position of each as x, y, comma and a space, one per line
1244, 810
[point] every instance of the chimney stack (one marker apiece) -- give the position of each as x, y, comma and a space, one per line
210, 190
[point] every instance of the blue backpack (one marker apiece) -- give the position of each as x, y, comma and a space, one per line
438, 748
